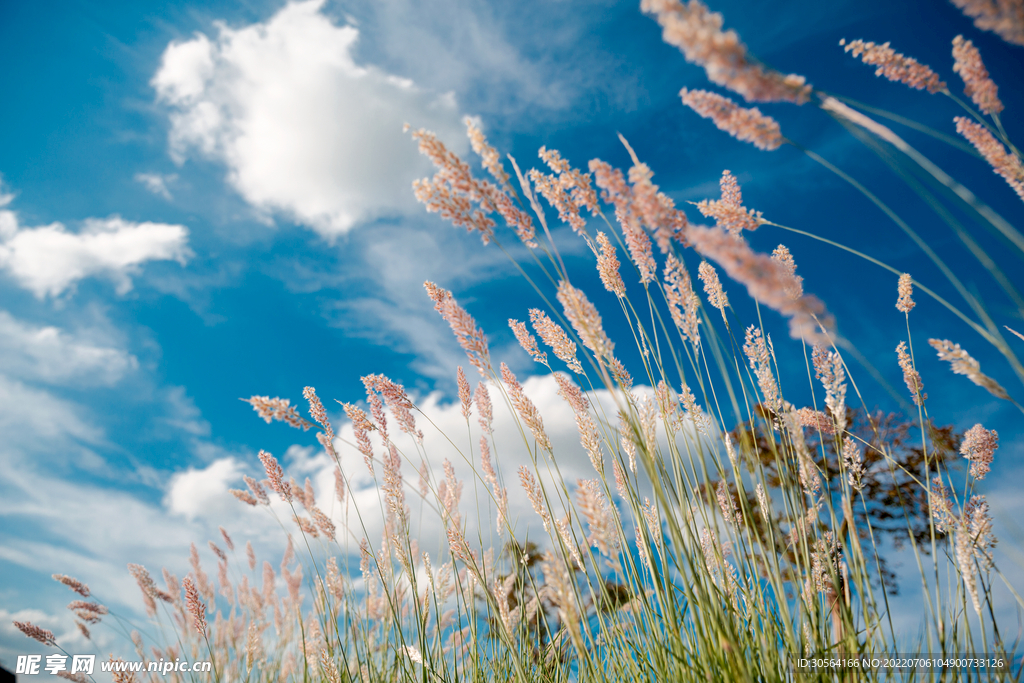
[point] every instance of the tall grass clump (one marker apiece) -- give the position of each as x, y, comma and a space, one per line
728, 528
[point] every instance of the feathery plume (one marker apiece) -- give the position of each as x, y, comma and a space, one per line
767, 281
809, 417
648, 410
653, 522
746, 125
146, 585
758, 350
628, 440
217, 551
489, 157
979, 446
451, 494
782, 256
826, 565
828, 367
275, 476
585, 319
608, 267
941, 506
657, 211
853, 461
554, 336
620, 479
894, 66
728, 212
620, 374
615, 191
698, 34
535, 494
667, 407
525, 407
910, 375
316, 410
173, 588
323, 522
572, 180
89, 612
600, 516
974, 541
361, 425
567, 190
905, 288
277, 409
726, 503
762, 502
482, 398
565, 531
463, 200
810, 478
250, 555
701, 420
306, 526
682, 300
397, 401
963, 364
244, 496
394, 490
258, 492
339, 485
730, 450
977, 83
1002, 162
227, 538
36, 633
712, 286
195, 606
470, 337
73, 584
1005, 18
465, 393
589, 437
527, 341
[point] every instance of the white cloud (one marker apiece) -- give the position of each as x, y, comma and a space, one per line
53, 355
200, 494
303, 129
33, 418
157, 183
50, 260
197, 492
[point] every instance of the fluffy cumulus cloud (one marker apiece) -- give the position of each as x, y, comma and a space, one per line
304, 131
201, 491
49, 259
361, 514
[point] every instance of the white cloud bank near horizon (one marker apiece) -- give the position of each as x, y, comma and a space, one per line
304, 131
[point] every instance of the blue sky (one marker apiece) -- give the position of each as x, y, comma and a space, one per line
203, 202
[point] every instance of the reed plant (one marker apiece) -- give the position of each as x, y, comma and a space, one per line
725, 532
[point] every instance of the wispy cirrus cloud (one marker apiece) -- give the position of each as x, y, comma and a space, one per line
157, 183
53, 355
